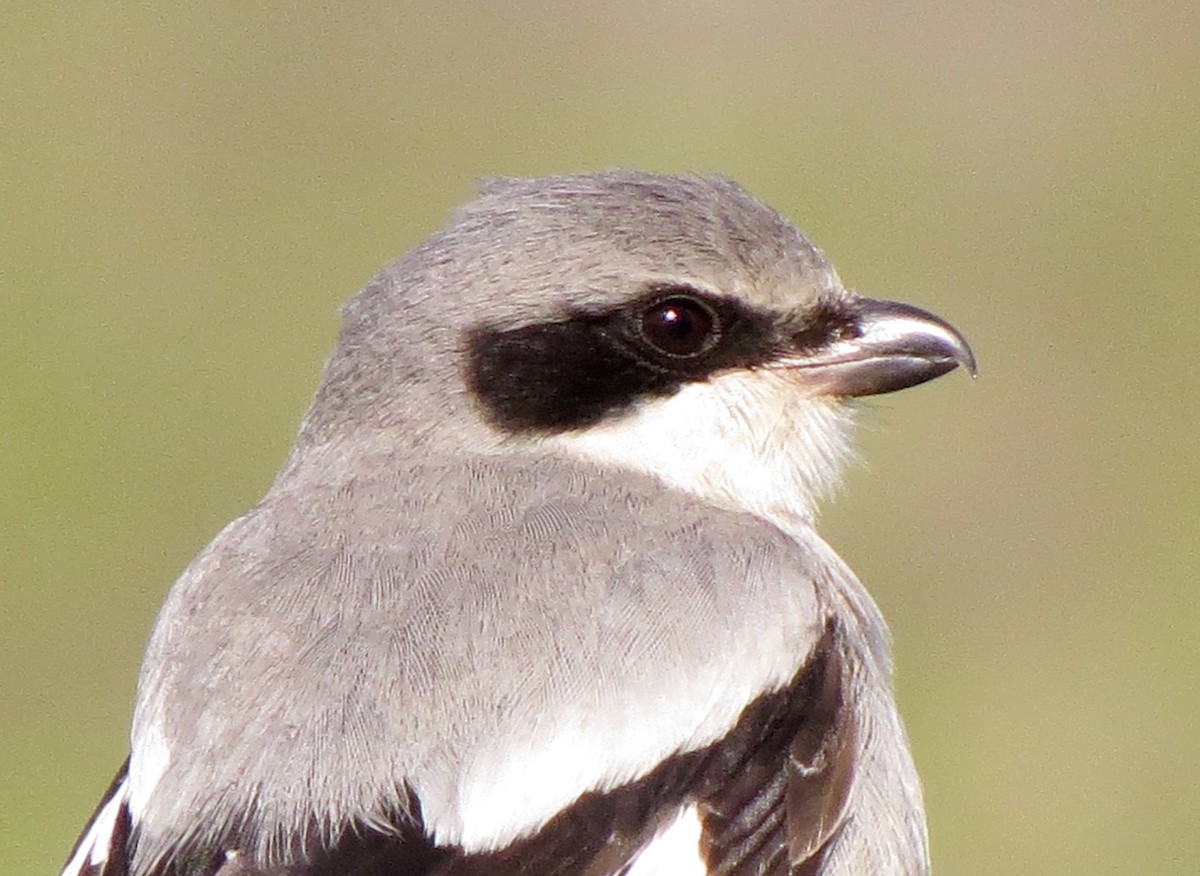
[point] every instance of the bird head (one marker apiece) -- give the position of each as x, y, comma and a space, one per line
673, 326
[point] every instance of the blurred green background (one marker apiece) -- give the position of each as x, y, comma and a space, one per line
190, 191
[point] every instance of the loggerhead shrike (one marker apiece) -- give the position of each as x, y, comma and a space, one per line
538, 591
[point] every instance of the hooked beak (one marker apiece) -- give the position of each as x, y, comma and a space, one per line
881, 346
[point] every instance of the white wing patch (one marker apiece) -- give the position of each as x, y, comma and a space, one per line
148, 761
502, 793
675, 851
95, 848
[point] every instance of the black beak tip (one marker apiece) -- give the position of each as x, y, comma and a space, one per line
966, 360
918, 332
895, 346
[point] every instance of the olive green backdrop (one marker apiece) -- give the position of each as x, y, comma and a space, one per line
189, 191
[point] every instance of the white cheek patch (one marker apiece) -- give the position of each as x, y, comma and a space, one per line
746, 440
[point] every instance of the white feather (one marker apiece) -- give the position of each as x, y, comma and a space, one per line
148, 761
513, 788
94, 848
675, 851
749, 440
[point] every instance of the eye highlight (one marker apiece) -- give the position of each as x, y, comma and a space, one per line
680, 326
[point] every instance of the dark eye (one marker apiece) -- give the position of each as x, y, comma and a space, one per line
680, 326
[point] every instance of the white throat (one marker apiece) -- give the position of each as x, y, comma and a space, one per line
746, 440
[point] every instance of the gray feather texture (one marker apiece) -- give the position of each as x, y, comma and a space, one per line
556, 595
437, 623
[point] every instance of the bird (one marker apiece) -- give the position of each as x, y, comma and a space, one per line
539, 589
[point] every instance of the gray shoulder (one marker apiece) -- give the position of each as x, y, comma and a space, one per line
475, 623
484, 520
409, 561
